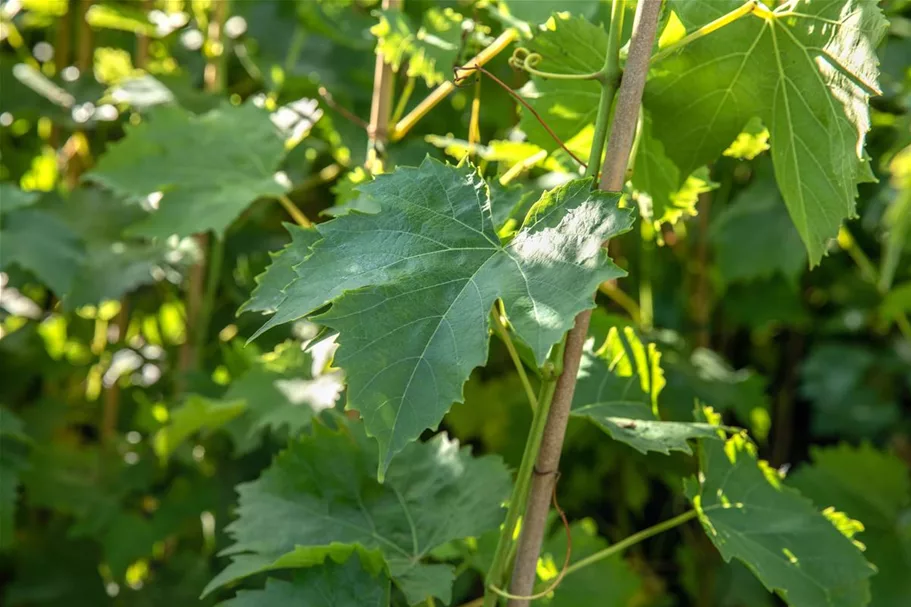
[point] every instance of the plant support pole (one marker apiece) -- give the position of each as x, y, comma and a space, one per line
381, 104
613, 176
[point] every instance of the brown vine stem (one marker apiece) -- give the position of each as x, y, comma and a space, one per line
111, 410
613, 176
213, 81
381, 104
442, 91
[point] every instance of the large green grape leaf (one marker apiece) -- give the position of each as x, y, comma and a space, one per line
320, 499
330, 585
806, 70
572, 46
611, 580
411, 287
431, 50
13, 454
873, 487
268, 292
740, 234
209, 168
805, 555
618, 387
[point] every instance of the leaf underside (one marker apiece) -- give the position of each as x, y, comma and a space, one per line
807, 73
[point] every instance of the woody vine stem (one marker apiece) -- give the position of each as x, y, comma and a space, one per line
538, 470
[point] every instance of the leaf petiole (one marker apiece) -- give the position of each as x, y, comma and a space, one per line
748, 8
632, 540
503, 332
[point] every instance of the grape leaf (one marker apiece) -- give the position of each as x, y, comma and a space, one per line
873, 487
806, 70
670, 198
268, 292
431, 50
282, 393
534, 11
706, 377
412, 286
55, 262
573, 46
330, 585
850, 389
195, 414
320, 499
611, 580
740, 234
12, 198
209, 167
793, 549
618, 387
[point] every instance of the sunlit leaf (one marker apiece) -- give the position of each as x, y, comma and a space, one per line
803, 554
807, 71
412, 286
618, 388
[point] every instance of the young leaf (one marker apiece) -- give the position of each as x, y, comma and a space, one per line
209, 168
742, 234
320, 499
873, 487
573, 46
806, 70
331, 585
618, 389
805, 555
431, 50
411, 287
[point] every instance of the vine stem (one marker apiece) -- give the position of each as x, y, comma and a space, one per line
503, 332
111, 406
381, 104
631, 541
613, 176
213, 81
296, 214
442, 91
